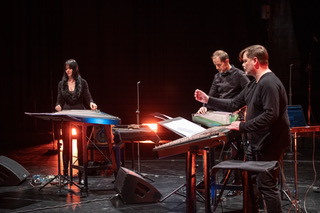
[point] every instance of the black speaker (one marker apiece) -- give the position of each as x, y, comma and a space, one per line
133, 188
11, 172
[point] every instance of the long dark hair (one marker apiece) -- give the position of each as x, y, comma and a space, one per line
72, 65
73, 97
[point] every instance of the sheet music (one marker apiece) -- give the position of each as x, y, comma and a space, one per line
184, 127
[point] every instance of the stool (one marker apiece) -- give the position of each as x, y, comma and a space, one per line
244, 166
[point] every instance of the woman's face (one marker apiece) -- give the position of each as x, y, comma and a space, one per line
68, 71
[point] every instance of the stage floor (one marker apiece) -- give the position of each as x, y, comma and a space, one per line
167, 174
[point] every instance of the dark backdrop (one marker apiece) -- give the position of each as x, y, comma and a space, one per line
166, 45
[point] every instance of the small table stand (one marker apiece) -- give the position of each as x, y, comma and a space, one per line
82, 118
296, 131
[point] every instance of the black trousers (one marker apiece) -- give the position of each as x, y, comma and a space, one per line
263, 183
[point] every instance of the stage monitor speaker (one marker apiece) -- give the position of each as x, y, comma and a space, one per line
11, 172
133, 188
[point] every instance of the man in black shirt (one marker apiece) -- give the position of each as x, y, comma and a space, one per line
267, 122
228, 82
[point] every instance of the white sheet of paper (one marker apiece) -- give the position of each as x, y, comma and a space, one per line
184, 127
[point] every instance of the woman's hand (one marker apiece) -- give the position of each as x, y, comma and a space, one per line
58, 108
93, 106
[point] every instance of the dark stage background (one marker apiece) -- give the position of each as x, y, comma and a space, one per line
166, 45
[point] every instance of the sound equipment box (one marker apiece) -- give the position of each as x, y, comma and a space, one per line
11, 172
133, 188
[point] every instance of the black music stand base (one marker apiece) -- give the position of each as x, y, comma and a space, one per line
286, 191
294, 202
138, 171
176, 191
61, 177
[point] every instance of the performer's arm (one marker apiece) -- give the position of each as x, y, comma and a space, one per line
87, 96
60, 100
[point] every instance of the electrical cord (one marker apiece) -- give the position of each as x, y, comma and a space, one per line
315, 173
64, 205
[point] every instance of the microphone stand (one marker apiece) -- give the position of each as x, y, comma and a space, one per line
309, 69
290, 102
290, 86
138, 120
53, 150
138, 107
138, 123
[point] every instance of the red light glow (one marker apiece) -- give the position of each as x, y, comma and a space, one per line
74, 131
74, 148
153, 127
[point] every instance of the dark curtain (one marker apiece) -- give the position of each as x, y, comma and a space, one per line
306, 23
166, 45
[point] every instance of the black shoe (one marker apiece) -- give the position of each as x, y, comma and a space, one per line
81, 178
81, 182
233, 193
316, 189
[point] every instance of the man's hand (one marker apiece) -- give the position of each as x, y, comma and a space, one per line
234, 125
202, 110
201, 96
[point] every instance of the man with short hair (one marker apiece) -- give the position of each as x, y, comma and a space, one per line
228, 82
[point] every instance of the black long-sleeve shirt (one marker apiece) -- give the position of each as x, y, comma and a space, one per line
267, 122
228, 84
74, 99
